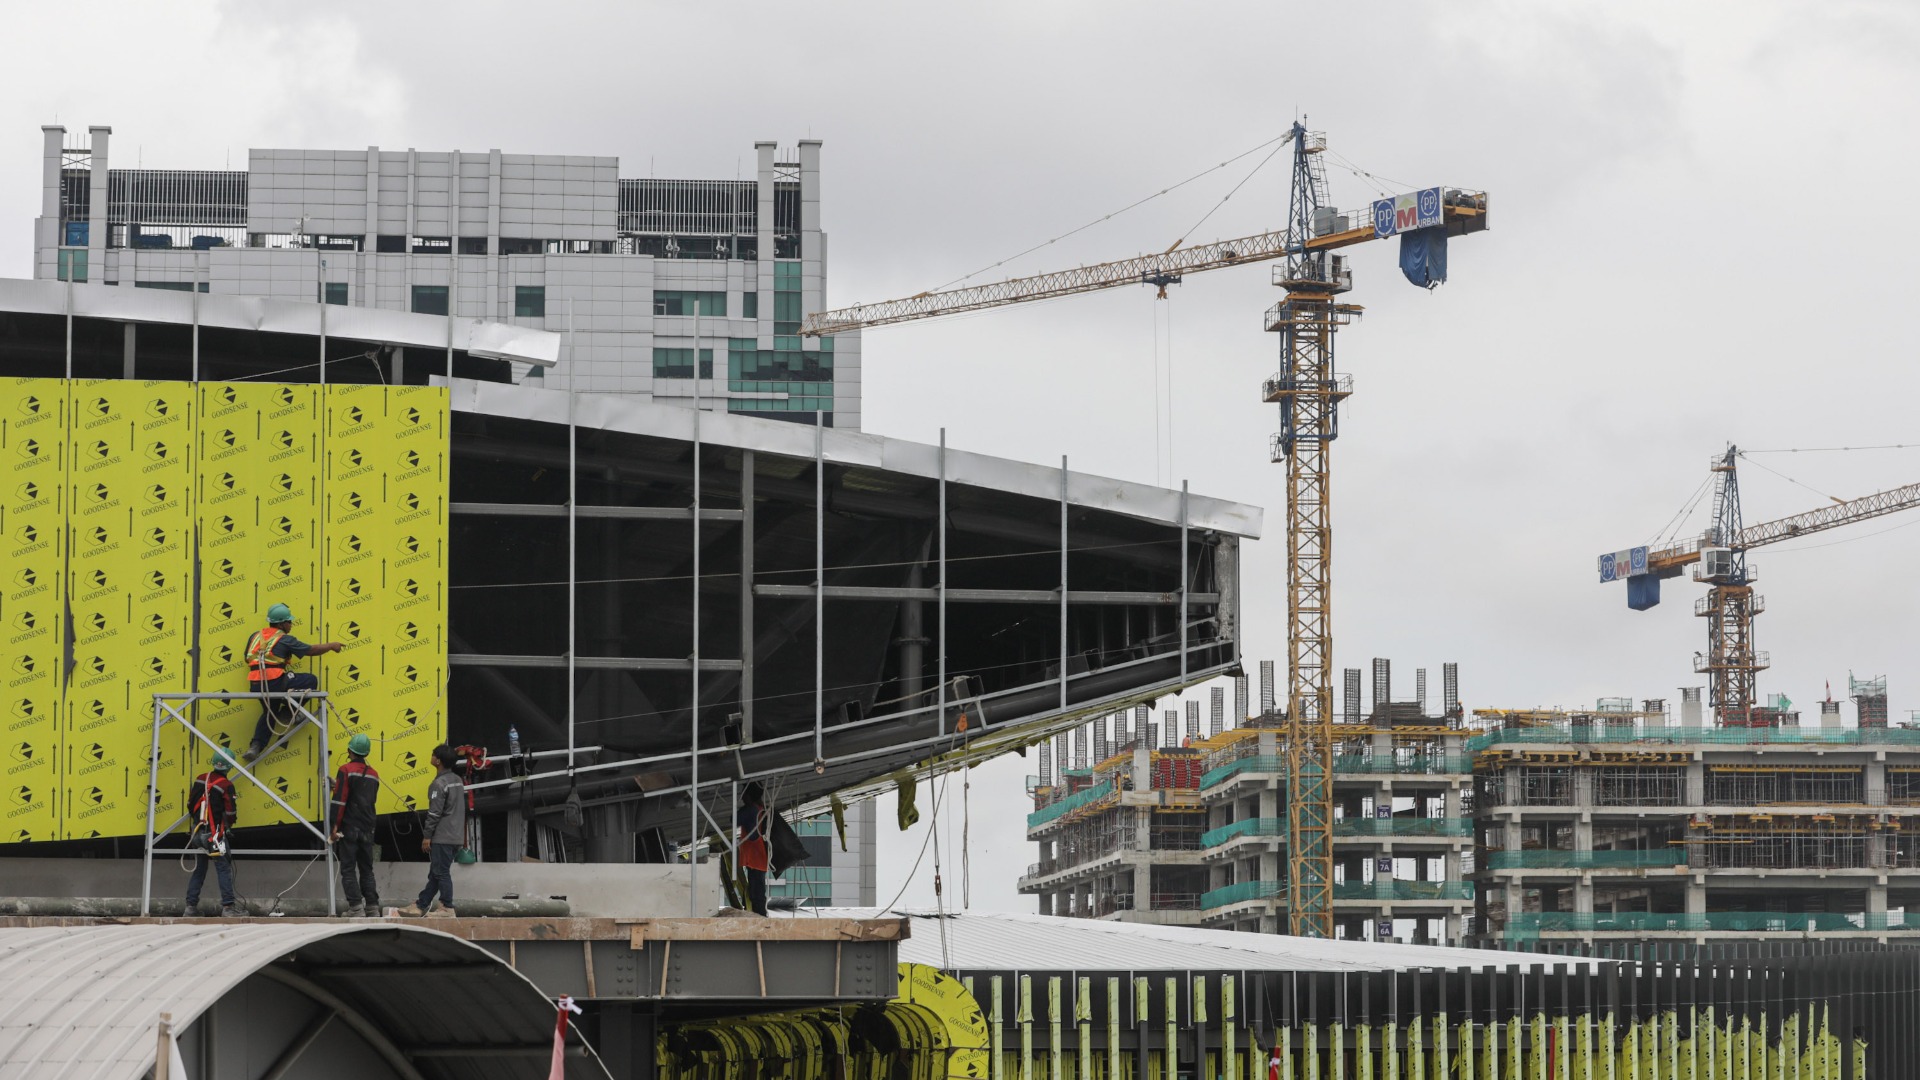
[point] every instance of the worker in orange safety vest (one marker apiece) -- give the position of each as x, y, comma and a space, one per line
269, 653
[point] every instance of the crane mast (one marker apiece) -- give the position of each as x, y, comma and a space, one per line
1309, 390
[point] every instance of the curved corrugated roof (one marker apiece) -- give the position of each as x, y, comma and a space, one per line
979, 941
83, 1002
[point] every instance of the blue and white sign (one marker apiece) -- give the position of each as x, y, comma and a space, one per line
1405, 213
1621, 565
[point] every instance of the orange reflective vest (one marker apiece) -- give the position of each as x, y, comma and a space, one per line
262, 664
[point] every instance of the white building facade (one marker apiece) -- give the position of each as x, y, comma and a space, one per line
682, 290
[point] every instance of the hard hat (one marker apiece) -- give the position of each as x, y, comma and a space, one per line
222, 760
279, 613
359, 744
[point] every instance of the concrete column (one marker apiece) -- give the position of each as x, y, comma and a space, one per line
97, 204
1696, 781
46, 227
1697, 894
1143, 887
1877, 897
1583, 894
764, 154
1876, 779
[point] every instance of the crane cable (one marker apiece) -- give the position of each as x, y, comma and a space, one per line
1282, 140
1796, 483
1224, 198
1831, 449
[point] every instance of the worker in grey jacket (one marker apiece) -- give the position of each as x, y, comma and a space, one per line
443, 833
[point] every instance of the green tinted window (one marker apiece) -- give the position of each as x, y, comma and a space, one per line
678, 363
684, 302
334, 292
750, 305
430, 299
530, 301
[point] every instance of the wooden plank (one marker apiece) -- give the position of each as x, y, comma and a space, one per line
640, 931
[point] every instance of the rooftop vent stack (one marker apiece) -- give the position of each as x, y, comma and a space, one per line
1690, 706
1239, 700
1870, 698
1266, 688
1450, 688
1218, 722
1829, 714
1352, 688
1655, 710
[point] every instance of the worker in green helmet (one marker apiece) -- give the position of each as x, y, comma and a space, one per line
350, 817
269, 653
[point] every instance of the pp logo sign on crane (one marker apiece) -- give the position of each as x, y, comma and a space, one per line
1405, 213
1621, 565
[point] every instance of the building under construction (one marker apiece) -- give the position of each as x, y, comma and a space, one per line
1617, 824
1161, 821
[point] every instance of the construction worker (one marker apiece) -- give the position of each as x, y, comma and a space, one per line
751, 820
210, 803
268, 654
443, 833
351, 816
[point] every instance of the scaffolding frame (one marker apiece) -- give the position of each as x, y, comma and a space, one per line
165, 713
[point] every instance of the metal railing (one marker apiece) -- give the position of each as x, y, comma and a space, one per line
1069, 804
1610, 733
1404, 826
1269, 827
1240, 893
1585, 860
1419, 764
1745, 922
1252, 763
1389, 889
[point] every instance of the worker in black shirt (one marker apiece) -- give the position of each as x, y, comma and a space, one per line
350, 818
211, 805
269, 653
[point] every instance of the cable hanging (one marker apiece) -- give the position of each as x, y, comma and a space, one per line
1282, 140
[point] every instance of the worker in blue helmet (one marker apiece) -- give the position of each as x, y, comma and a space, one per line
211, 805
269, 654
350, 822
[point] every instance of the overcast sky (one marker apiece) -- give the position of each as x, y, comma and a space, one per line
1703, 232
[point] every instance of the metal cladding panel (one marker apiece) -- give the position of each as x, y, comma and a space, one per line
978, 941
82, 1003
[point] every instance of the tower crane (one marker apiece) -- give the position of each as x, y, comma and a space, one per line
1719, 558
1309, 391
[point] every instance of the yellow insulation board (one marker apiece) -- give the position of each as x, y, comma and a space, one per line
149, 525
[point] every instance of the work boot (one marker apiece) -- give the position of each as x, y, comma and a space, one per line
442, 913
232, 911
352, 911
371, 909
411, 911
190, 911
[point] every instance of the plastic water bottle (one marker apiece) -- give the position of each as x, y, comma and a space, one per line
513, 740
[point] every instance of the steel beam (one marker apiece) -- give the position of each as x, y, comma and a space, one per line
559, 510
583, 663
984, 596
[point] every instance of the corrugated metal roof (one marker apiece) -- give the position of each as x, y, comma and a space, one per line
83, 1002
980, 941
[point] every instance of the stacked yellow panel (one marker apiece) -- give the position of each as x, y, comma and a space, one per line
32, 603
259, 521
129, 589
386, 578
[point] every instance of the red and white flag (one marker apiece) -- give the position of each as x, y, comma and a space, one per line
558, 1071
